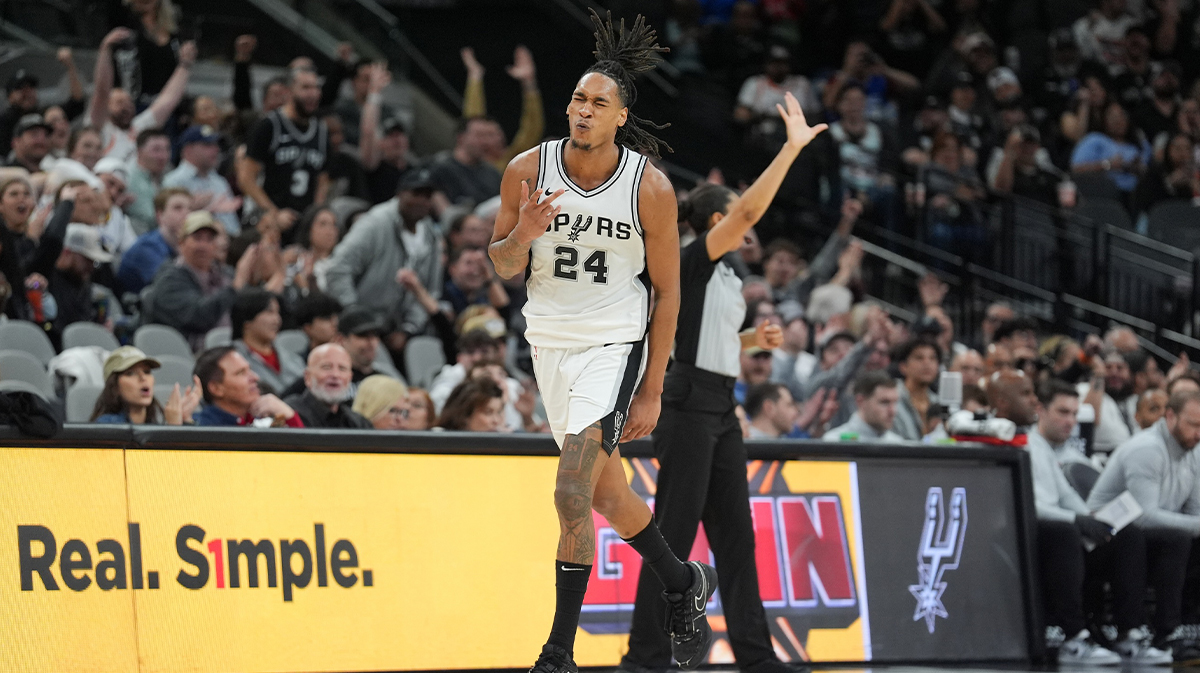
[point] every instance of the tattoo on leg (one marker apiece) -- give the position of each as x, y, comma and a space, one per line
573, 496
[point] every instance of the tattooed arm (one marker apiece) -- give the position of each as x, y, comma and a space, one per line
523, 216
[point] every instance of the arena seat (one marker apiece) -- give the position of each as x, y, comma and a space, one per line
88, 334
156, 340
15, 386
81, 399
423, 357
23, 335
174, 370
218, 336
292, 341
19, 365
1082, 477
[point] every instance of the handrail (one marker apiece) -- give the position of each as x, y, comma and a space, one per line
1022, 286
581, 17
396, 34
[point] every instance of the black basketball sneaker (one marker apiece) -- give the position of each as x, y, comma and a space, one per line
687, 617
554, 659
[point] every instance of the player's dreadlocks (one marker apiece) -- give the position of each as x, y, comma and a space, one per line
621, 55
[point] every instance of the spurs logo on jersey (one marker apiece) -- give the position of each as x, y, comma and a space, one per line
292, 158
588, 283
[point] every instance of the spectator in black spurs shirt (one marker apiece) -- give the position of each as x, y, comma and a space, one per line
290, 150
327, 396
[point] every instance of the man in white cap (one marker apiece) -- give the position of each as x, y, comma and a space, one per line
71, 281
116, 233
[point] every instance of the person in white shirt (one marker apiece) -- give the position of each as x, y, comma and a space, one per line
760, 94
116, 232
1064, 523
1112, 429
1101, 34
112, 110
876, 395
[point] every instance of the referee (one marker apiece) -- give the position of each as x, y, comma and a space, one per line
698, 441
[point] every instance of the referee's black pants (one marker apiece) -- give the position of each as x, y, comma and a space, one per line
702, 477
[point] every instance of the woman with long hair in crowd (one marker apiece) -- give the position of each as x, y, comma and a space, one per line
420, 410
86, 146
476, 405
318, 234
128, 395
1172, 178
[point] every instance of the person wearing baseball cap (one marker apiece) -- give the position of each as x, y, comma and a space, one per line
394, 235
128, 395
71, 276
116, 232
22, 93
197, 172
30, 143
194, 295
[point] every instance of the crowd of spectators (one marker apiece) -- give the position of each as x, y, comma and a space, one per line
938, 107
140, 205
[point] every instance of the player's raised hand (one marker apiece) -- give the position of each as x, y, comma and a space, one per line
799, 133
535, 213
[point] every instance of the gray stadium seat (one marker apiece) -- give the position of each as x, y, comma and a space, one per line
1176, 222
1105, 211
162, 392
156, 340
81, 399
174, 370
423, 357
1082, 477
1096, 186
292, 341
22, 366
88, 334
22, 335
217, 336
15, 386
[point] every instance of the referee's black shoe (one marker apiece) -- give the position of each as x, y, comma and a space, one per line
554, 659
687, 617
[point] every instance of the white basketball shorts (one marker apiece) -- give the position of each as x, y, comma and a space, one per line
580, 386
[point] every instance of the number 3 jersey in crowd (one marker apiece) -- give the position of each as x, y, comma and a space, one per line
588, 283
292, 158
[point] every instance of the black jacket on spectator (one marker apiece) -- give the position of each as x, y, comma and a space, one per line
316, 414
461, 183
74, 298
179, 301
1154, 188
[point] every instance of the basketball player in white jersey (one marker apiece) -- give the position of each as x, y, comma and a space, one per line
595, 223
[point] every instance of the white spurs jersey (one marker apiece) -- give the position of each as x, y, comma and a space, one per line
588, 284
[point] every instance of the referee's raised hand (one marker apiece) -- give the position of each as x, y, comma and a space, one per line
535, 213
799, 133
